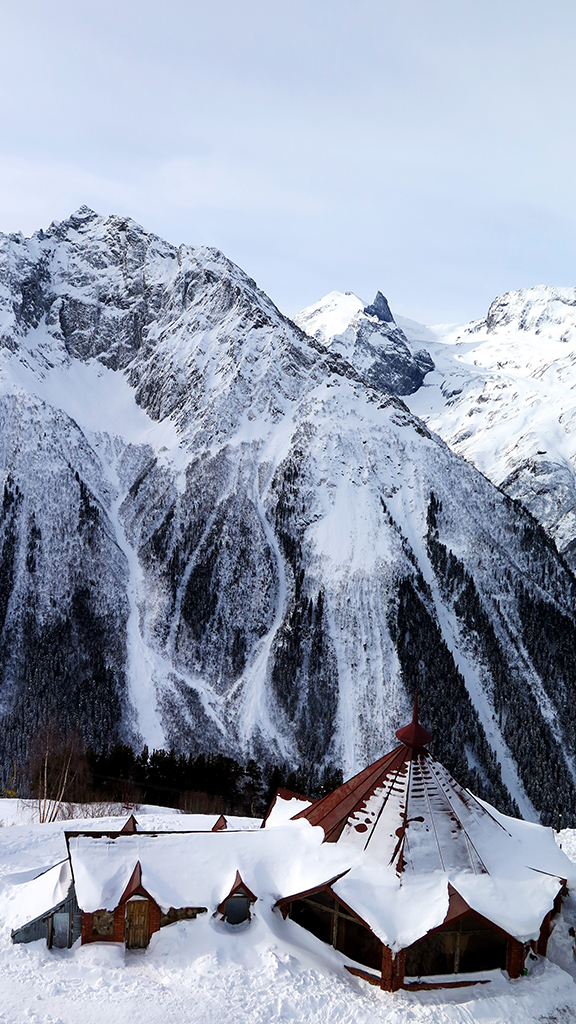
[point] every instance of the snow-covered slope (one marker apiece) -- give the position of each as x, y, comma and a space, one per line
220, 532
503, 396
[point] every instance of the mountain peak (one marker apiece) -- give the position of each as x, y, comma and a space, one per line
380, 309
84, 213
368, 338
531, 309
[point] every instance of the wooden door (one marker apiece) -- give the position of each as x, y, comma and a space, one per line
137, 927
61, 931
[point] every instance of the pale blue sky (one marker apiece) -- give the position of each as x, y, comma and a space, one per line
423, 147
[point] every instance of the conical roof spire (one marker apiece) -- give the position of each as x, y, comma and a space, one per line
414, 735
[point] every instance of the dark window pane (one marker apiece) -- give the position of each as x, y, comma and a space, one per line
434, 954
315, 920
470, 945
471, 923
357, 942
237, 909
482, 951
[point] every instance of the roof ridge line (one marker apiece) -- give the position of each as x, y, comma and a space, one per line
384, 803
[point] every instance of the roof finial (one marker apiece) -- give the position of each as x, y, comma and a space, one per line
414, 735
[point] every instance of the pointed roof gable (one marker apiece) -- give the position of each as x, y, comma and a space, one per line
408, 812
238, 889
284, 797
129, 827
135, 887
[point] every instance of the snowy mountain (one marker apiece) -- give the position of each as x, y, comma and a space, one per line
503, 397
369, 339
220, 532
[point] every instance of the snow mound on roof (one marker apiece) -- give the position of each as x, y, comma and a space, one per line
30, 900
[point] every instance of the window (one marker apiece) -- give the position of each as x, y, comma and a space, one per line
329, 921
467, 946
103, 923
237, 909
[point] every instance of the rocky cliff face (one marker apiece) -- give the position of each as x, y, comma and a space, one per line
220, 532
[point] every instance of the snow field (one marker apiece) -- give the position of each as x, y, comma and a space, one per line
267, 972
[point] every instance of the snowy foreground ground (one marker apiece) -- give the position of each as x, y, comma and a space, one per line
206, 971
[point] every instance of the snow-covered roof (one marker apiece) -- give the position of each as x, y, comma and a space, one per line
395, 843
410, 815
418, 832
199, 868
284, 806
30, 900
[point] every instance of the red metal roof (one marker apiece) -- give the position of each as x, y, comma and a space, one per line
414, 735
408, 811
331, 812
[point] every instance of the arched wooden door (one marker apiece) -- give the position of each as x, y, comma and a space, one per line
137, 923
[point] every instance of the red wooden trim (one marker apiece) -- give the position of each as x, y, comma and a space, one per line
542, 944
454, 918
374, 979
281, 903
515, 958
238, 884
399, 970
220, 825
387, 969
284, 903
352, 912
135, 887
